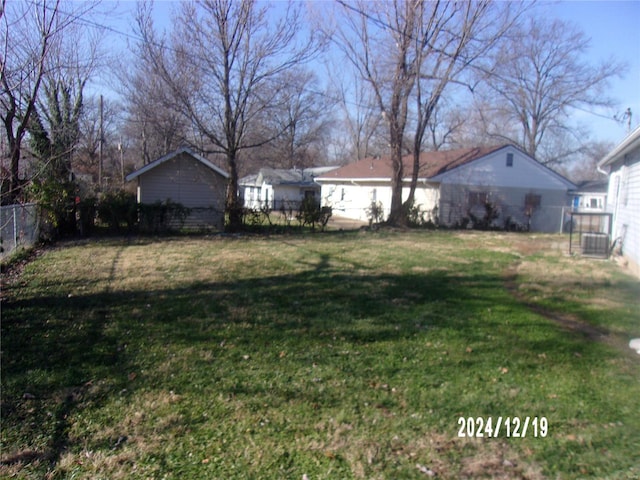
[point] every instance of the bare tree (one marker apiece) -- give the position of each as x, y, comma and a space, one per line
299, 121
451, 40
377, 38
228, 55
361, 119
154, 123
539, 80
406, 50
27, 32
32, 45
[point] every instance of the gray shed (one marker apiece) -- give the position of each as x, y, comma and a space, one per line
187, 178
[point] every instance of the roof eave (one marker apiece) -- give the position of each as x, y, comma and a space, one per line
630, 142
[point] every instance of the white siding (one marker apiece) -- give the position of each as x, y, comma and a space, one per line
624, 203
353, 200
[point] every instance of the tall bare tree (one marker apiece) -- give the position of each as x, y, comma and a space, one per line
415, 49
27, 33
361, 119
451, 40
299, 121
230, 55
540, 78
31, 43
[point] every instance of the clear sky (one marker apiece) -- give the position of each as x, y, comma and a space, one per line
612, 25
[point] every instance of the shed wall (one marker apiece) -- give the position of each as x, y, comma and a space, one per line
187, 181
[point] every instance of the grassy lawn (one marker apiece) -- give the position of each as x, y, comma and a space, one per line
328, 356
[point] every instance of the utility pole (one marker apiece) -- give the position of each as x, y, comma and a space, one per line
100, 146
121, 150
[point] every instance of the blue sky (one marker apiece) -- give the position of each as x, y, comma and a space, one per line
612, 25
614, 30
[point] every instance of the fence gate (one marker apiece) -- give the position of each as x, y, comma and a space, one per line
590, 234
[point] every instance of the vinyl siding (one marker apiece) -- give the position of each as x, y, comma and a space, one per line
492, 170
186, 181
510, 201
624, 203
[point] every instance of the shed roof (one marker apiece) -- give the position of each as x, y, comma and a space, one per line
169, 156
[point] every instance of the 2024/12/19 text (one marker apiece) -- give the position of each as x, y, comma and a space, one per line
507, 427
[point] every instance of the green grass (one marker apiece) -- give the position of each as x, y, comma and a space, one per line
336, 356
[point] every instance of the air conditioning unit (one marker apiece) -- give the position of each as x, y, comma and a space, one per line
595, 244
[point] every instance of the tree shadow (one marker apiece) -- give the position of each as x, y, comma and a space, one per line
81, 350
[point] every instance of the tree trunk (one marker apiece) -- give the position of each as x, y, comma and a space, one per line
397, 216
232, 206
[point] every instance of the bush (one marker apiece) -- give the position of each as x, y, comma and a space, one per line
86, 211
57, 207
312, 214
491, 213
375, 213
118, 210
162, 217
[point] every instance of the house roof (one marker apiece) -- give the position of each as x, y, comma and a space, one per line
294, 176
592, 186
169, 156
431, 164
630, 142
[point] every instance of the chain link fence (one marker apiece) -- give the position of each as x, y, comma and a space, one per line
18, 227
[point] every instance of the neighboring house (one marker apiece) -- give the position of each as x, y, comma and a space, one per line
189, 179
590, 196
623, 199
456, 183
277, 188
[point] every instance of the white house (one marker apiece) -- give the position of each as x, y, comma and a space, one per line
189, 179
278, 188
623, 199
590, 196
454, 184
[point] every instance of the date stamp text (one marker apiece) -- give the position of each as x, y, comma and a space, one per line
505, 427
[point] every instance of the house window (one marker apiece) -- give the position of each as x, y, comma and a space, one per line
478, 198
531, 202
509, 159
342, 194
374, 195
593, 203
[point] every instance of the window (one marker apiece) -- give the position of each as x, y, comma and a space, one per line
342, 194
509, 159
478, 198
593, 203
531, 202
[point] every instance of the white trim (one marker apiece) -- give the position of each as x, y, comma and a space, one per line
630, 142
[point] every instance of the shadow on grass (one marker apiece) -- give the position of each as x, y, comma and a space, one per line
70, 353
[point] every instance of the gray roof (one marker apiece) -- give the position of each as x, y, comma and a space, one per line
592, 186
169, 156
274, 176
